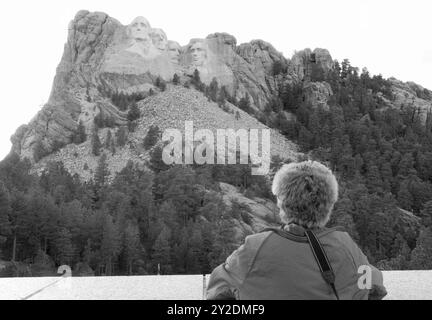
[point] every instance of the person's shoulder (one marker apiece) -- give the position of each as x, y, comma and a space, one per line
259, 237
344, 240
250, 248
338, 233
342, 237
255, 241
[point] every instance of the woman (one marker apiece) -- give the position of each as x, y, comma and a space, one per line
288, 263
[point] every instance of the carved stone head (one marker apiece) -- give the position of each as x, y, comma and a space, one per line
139, 29
159, 39
198, 51
174, 51
139, 32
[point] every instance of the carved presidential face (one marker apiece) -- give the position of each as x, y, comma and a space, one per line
159, 39
198, 52
174, 50
139, 29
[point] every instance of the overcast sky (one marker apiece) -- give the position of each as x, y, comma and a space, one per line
388, 37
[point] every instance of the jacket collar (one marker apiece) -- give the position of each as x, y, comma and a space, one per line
297, 233
298, 230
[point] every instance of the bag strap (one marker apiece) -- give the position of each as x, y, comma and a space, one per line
322, 260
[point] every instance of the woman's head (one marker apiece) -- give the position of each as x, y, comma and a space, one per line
306, 193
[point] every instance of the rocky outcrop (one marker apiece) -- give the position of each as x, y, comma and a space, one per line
244, 69
317, 94
412, 95
89, 36
55, 124
306, 61
261, 213
261, 57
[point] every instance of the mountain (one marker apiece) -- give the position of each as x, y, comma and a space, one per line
102, 52
96, 150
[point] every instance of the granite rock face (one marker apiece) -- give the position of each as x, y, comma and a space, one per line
410, 94
101, 52
54, 125
303, 61
317, 94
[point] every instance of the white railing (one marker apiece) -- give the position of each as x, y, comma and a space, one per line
400, 285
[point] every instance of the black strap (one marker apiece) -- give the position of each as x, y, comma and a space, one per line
322, 260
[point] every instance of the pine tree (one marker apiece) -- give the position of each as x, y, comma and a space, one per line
305, 138
112, 147
102, 172
373, 179
213, 90
343, 216
346, 68
18, 218
134, 113
405, 197
108, 140
195, 255
196, 81
245, 103
176, 79
121, 136
64, 247
223, 244
110, 246
387, 176
180, 252
161, 251
156, 161
87, 254
406, 166
5, 211
427, 211
426, 214
152, 137
160, 83
222, 96
132, 246
80, 134
95, 142
421, 256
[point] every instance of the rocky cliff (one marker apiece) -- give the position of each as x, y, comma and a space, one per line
101, 52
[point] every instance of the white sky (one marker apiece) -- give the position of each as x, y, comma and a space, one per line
388, 37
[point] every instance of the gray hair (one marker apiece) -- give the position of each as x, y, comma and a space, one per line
306, 193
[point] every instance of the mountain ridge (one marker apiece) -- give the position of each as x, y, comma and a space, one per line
92, 55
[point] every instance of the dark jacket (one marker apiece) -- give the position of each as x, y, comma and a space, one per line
269, 266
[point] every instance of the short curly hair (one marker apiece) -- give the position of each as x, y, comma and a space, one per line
306, 193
